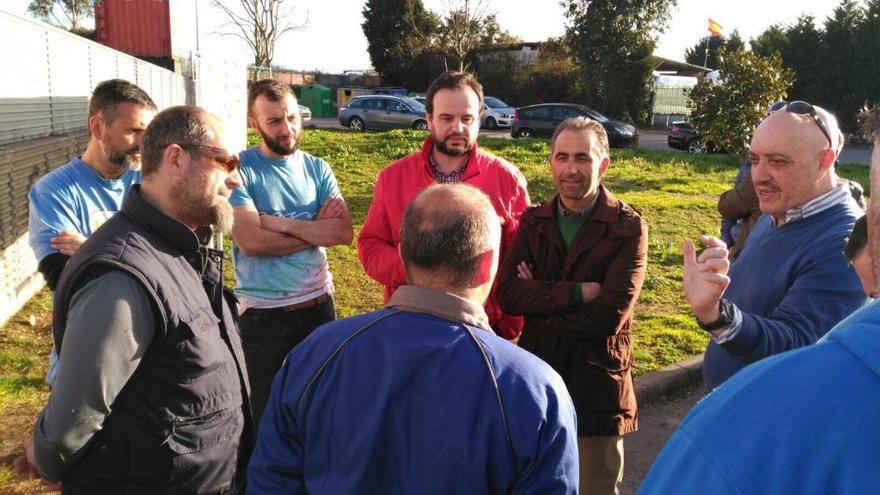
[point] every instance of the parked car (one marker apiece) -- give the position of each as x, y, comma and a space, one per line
542, 119
684, 137
495, 113
420, 99
305, 113
379, 112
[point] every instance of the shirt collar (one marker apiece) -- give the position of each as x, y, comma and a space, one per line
439, 303
839, 194
442, 177
586, 212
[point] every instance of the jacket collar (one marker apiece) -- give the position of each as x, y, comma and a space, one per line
438, 303
473, 167
607, 208
175, 233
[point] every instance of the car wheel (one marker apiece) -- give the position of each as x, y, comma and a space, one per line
420, 125
491, 123
697, 146
356, 124
525, 132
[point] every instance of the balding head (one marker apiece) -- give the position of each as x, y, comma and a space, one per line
792, 160
449, 239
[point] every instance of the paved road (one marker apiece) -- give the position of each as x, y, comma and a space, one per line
648, 139
657, 421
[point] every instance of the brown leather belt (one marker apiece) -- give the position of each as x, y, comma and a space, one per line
311, 303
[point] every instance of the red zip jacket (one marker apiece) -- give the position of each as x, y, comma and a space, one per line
399, 183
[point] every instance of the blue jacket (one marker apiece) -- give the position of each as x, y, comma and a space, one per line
403, 402
803, 422
791, 284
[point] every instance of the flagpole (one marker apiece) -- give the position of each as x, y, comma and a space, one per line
706, 57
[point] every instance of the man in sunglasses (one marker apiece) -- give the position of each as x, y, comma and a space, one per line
69, 203
790, 284
287, 211
151, 395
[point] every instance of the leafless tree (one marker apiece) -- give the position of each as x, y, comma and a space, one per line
462, 28
260, 23
67, 14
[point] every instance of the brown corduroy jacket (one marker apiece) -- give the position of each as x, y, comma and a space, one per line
589, 344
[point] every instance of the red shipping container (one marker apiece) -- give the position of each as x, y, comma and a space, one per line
138, 27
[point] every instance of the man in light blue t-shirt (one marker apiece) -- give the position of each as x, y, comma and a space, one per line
72, 201
287, 211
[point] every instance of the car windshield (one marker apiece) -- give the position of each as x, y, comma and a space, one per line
598, 117
493, 102
413, 103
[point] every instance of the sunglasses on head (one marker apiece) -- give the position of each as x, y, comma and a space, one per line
802, 108
229, 163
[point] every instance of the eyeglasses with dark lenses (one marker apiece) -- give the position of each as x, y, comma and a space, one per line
229, 163
803, 108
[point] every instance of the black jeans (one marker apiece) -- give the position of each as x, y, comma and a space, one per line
267, 336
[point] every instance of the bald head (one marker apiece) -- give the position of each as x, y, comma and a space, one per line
449, 238
798, 132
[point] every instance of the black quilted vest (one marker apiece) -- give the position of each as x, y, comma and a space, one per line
182, 422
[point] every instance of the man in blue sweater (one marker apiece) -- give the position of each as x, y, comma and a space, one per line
791, 283
824, 435
421, 397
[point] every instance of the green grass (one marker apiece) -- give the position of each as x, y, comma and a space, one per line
675, 192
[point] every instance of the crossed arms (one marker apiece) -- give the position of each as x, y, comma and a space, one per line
267, 235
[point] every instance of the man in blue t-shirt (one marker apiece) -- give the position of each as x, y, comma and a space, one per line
72, 201
287, 211
791, 283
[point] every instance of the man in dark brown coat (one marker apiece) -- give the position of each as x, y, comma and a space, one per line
574, 271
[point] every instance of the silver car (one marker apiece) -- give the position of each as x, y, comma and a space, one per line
305, 113
496, 113
377, 112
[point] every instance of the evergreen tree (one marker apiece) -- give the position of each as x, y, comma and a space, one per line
397, 32
840, 91
613, 40
697, 53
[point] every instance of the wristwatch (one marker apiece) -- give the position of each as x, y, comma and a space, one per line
725, 317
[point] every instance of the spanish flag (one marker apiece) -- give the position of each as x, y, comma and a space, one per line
715, 28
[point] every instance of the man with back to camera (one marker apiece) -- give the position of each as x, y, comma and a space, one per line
69, 203
421, 397
151, 395
575, 270
448, 155
790, 284
287, 210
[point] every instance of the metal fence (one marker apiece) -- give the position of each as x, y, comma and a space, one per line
48, 75
672, 100
46, 78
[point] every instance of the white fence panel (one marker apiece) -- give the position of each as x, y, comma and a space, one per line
222, 93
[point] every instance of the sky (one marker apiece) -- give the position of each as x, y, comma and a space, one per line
333, 40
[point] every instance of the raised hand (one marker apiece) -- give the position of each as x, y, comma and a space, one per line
705, 277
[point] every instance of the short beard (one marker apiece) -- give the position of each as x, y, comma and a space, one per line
222, 218
125, 160
442, 148
200, 211
276, 147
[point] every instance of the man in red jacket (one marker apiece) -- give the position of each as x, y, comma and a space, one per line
574, 271
449, 154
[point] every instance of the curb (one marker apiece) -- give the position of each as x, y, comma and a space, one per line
656, 384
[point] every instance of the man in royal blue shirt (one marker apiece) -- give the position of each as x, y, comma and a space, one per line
791, 283
422, 396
